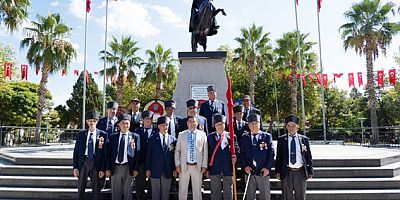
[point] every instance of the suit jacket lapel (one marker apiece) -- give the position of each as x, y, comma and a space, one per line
130, 150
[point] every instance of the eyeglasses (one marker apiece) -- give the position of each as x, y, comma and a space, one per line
192, 107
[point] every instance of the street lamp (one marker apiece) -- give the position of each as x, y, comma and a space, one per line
47, 129
362, 129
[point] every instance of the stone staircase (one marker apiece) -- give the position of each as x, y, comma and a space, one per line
366, 178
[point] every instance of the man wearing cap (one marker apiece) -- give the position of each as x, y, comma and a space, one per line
145, 132
108, 123
249, 109
136, 115
239, 125
89, 155
257, 154
123, 159
160, 162
212, 107
191, 159
293, 164
202, 122
220, 160
173, 126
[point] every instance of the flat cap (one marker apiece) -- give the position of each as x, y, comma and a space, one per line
112, 104
218, 118
253, 118
292, 118
211, 88
147, 113
170, 104
238, 108
134, 99
246, 97
163, 120
92, 115
191, 103
124, 116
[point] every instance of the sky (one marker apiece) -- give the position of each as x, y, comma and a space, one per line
152, 22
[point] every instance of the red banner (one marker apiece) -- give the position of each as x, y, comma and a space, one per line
7, 70
37, 70
319, 5
337, 76
325, 77
392, 77
87, 78
303, 79
24, 72
381, 75
88, 5
360, 80
318, 79
76, 72
351, 79
311, 77
63, 72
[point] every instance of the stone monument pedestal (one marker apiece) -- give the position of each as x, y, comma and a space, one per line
199, 70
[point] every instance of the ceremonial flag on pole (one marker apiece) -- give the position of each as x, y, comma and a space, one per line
351, 79
7, 70
88, 5
392, 77
337, 76
360, 80
380, 78
297, 2
319, 5
24, 72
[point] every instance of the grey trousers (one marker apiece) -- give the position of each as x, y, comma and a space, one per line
88, 170
160, 188
227, 187
121, 183
263, 185
294, 181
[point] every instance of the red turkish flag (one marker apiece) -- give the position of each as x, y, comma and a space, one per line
96, 72
318, 79
319, 5
381, 75
392, 76
325, 77
337, 76
312, 78
351, 79
303, 79
24, 72
37, 70
297, 2
360, 80
7, 70
76, 72
63, 72
88, 5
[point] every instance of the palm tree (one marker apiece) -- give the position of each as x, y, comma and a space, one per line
123, 59
253, 48
160, 68
368, 32
13, 12
49, 48
288, 59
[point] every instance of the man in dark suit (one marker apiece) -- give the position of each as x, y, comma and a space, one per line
123, 159
249, 109
220, 160
136, 114
160, 161
257, 154
173, 126
211, 107
192, 106
90, 155
293, 164
239, 125
108, 123
145, 132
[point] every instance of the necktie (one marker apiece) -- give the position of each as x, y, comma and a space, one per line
109, 125
192, 147
163, 144
212, 106
293, 150
147, 132
246, 112
240, 125
134, 117
90, 147
254, 141
121, 149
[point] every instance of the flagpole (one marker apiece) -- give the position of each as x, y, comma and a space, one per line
301, 70
105, 62
84, 71
322, 70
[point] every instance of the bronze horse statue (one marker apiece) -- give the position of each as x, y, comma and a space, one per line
203, 23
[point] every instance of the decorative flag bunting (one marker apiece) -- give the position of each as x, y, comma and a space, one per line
96, 72
351, 79
7, 70
360, 80
63, 73
392, 77
302, 78
87, 77
380, 78
337, 76
318, 79
37, 70
325, 77
312, 79
24, 72
76, 72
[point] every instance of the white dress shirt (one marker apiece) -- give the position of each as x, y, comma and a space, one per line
257, 137
125, 148
161, 139
299, 159
94, 141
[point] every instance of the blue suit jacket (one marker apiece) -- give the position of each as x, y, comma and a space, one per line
158, 161
100, 150
133, 151
264, 157
144, 140
102, 125
222, 160
206, 112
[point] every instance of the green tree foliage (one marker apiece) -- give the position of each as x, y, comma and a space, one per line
13, 12
18, 103
94, 99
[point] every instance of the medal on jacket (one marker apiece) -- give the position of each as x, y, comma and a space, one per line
171, 147
303, 146
263, 145
132, 142
101, 142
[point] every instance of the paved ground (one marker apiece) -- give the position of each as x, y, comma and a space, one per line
319, 151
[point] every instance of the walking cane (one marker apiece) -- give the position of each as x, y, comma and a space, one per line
247, 184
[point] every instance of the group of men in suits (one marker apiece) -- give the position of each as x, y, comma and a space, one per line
191, 147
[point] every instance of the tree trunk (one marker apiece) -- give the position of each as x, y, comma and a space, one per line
120, 85
158, 82
294, 87
251, 80
371, 97
41, 102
